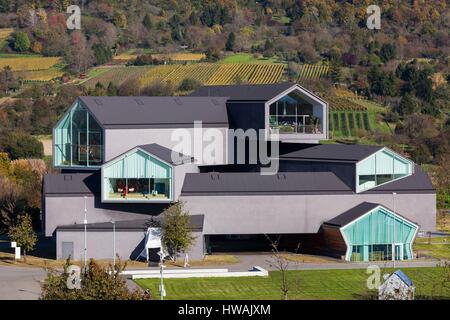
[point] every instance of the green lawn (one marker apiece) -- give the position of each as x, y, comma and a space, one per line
247, 58
306, 284
439, 247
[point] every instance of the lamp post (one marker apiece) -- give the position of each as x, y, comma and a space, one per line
393, 230
85, 233
162, 290
114, 242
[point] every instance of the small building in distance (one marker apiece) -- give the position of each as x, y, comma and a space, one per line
397, 286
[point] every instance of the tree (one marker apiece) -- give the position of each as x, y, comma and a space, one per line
408, 105
177, 235
147, 22
130, 87
158, 88
21, 145
7, 80
280, 263
335, 73
23, 234
189, 84
231, 41
97, 283
21, 42
387, 52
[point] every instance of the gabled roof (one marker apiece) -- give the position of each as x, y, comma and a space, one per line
195, 224
160, 152
158, 112
403, 277
333, 152
356, 212
352, 214
240, 183
244, 92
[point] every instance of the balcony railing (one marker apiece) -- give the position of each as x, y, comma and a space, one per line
79, 155
295, 129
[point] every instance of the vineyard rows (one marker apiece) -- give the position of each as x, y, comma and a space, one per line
176, 57
40, 75
343, 123
28, 63
313, 71
215, 74
116, 75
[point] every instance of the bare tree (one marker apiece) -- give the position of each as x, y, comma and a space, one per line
280, 263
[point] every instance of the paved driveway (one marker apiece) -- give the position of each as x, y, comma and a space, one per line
19, 283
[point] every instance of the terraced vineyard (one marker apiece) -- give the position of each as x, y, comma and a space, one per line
28, 63
313, 71
116, 75
215, 74
269, 73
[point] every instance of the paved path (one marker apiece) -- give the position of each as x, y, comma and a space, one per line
19, 283
247, 261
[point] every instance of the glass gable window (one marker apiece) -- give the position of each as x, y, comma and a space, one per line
375, 235
291, 114
382, 167
137, 176
78, 140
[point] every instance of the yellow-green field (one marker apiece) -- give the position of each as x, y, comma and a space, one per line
28, 62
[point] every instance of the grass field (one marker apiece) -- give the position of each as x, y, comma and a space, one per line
248, 58
436, 247
175, 57
305, 284
375, 112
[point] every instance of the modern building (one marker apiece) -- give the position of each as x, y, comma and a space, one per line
126, 159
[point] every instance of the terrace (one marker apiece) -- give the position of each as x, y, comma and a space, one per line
297, 115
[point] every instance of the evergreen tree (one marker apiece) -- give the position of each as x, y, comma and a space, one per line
147, 22
229, 45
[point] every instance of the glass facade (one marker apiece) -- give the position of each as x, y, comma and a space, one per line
382, 167
291, 114
78, 140
137, 176
375, 236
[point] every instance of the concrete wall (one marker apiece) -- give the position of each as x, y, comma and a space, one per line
118, 141
61, 211
100, 245
179, 173
258, 214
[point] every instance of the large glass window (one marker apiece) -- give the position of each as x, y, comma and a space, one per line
78, 140
291, 114
137, 176
373, 237
382, 167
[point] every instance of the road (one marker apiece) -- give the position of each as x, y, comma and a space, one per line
18, 283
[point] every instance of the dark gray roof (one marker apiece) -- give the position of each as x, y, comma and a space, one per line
244, 92
195, 224
356, 212
404, 277
141, 112
165, 154
419, 181
352, 214
72, 184
333, 152
254, 183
